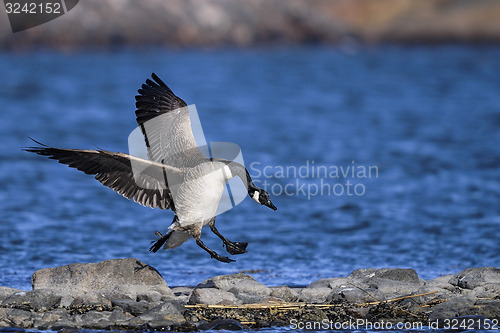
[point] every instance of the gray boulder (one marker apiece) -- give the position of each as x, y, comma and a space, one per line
442, 282
442, 294
489, 308
18, 318
356, 296
165, 315
34, 300
284, 293
213, 296
96, 320
392, 282
119, 317
135, 322
488, 291
235, 283
87, 300
321, 283
391, 288
133, 307
339, 283
113, 279
152, 296
182, 294
369, 275
472, 278
243, 286
333, 283
455, 307
251, 298
314, 295
363, 285
6, 292
465, 306
56, 318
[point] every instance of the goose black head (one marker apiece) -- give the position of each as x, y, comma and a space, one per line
261, 197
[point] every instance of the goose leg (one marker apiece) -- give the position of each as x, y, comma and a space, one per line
195, 230
231, 247
212, 253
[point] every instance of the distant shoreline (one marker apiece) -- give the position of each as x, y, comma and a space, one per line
212, 24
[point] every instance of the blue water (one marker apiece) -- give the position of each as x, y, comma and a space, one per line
426, 119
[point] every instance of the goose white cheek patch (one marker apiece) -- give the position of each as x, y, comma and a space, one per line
227, 172
255, 197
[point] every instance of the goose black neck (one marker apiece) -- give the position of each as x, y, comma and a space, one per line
250, 185
239, 170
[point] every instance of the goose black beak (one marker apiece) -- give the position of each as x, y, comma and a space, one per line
270, 205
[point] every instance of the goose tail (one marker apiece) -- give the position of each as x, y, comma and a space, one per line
171, 240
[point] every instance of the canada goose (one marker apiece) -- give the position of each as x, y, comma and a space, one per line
172, 150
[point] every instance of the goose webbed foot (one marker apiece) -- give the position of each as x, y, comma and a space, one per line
212, 253
235, 247
231, 247
221, 258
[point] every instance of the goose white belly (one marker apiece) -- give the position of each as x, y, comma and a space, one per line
197, 198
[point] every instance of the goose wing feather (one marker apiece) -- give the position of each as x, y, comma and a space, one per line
165, 122
155, 98
114, 170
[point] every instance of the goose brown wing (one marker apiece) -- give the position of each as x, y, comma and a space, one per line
114, 170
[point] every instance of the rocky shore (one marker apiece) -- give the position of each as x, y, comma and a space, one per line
213, 23
129, 294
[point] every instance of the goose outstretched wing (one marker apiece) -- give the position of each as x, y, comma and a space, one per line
165, 122
114, 170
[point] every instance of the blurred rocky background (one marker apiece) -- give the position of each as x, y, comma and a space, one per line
211, 23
